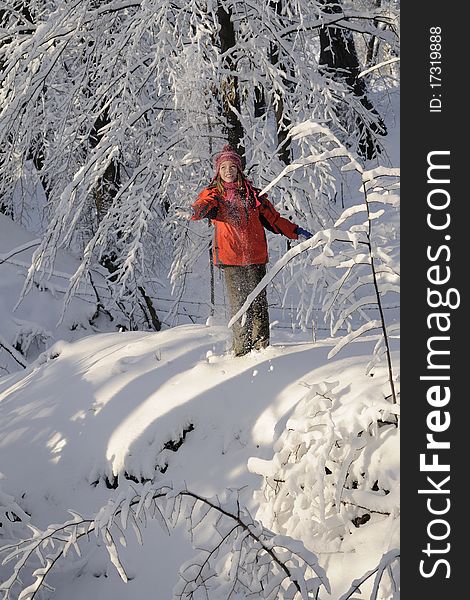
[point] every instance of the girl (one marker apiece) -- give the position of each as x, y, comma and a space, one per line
240, 215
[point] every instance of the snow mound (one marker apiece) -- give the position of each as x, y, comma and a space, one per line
90, 418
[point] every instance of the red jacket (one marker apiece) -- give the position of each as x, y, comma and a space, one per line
239, 237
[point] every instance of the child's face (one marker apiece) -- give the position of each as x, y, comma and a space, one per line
228, 171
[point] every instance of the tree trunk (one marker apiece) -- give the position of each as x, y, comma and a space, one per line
156, 323
108, 186
372, 43
259, 102
229, 87
338, 56
283, 120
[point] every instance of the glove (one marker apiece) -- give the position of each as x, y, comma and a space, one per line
182, 213
303, 232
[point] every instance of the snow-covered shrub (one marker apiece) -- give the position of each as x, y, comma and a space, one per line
240, 555
335, 470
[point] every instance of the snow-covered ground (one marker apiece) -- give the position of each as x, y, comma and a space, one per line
92, 417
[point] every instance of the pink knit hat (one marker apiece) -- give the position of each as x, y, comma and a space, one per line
227, 153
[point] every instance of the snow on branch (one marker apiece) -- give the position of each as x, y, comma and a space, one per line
12, 352
387, 560
309, 128
379, 66
6, 257
240, 554
345, 20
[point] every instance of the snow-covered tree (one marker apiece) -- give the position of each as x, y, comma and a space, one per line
121, 105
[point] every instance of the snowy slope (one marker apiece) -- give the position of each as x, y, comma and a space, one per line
91, 417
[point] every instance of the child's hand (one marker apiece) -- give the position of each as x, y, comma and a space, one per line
304, 233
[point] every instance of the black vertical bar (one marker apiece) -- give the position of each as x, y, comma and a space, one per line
434, 401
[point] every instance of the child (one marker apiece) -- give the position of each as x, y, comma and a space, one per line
240, 215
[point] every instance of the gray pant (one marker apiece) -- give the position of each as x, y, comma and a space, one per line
254, 334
